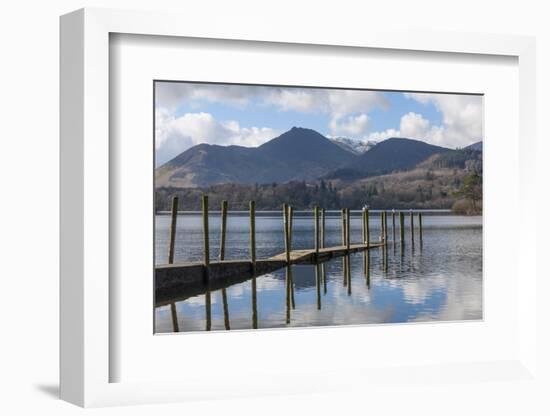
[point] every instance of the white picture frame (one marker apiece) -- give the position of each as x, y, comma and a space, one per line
86, 356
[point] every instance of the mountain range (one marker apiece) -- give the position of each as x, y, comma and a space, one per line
299, 154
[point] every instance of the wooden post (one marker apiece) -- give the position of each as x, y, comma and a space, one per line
367, 227
343, 220
402, 227
385, 227
393, 225
420, 226
323, 223
317, 232
286, 231
253, 235
206, 243
290, 219
223, 230
411, 216
348, 236
173, 230
363, 227
382, 226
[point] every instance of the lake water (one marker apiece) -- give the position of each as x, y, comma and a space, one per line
438, 280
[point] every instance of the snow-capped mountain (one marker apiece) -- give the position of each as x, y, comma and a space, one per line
355, 146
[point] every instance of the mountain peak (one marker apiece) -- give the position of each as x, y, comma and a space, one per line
355, 146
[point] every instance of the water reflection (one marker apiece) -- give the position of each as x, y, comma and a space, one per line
437, 280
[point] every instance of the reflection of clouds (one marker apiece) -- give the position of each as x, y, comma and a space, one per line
463, 301
267, 282
235, 291
419, 290
200, 300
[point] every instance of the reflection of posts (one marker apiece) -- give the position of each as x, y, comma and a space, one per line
385, 227
222, 258
288, 283
318, 285
206, 253
175, 325
381, 226
393, 225
348, 270
366, 260
324, 271
420, 227
173, 230
385, 254
402, 228
411, 215
254, 305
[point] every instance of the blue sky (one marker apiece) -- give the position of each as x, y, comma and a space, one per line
187, 114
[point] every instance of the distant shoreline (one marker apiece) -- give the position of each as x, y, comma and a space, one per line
310, 212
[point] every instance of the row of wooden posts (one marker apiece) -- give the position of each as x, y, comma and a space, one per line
320, 234
288, 211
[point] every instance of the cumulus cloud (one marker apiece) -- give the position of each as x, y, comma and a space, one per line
169, 95
174, 135
351, 125
337, 103
462, 116
457, 130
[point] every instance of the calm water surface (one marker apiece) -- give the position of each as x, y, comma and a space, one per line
438, 280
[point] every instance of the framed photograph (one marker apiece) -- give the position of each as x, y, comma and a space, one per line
372, 213
253, 206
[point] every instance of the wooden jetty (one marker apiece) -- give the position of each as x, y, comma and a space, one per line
190, 277
183, 280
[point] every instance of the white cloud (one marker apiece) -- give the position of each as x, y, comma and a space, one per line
378, 136
415, 126
174, 135
171, 94
351, 125
337, 103
462, 116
